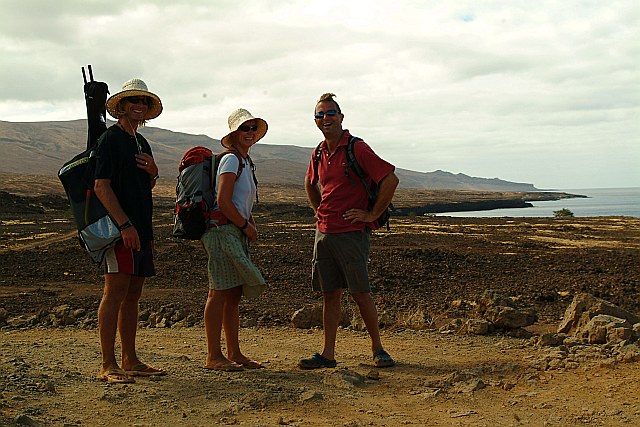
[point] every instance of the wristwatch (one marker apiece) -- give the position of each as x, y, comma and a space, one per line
125, 225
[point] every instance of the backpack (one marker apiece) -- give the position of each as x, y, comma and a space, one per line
195, 192
97, 231
352, 163
95, 96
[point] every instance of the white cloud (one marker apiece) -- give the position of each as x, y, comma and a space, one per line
541, 92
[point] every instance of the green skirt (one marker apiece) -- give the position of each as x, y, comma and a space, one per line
229, 264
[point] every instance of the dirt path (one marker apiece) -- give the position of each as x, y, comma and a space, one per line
44, 242
47, 378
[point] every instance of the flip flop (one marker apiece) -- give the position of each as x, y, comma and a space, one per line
115, 375
251, 364
225, 366
382, 359
144, 370
316, 361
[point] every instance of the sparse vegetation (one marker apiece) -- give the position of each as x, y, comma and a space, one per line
563, 213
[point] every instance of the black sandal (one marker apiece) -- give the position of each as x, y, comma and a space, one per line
316, 361
382, 359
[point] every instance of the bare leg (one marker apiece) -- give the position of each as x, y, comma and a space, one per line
213, 312
116, 286
331, 320
370, 316
231, 324
128, 322
213, 320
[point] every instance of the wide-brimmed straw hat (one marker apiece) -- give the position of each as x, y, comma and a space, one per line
236, 119
134, 87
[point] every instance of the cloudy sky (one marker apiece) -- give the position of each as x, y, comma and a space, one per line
543, 92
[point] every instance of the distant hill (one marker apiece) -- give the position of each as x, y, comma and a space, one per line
42, 147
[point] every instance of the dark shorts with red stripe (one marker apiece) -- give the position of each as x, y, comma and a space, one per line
120, 259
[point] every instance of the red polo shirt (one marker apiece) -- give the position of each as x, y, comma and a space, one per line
341, 189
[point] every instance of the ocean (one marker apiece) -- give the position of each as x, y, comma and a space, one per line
600, 202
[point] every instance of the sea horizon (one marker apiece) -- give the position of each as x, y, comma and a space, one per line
618, 201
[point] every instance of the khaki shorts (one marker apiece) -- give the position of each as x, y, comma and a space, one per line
340, 261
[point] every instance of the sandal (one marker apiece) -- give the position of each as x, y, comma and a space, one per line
316, 361
382, 359
144, 370
250, 364
228, 366
115, 375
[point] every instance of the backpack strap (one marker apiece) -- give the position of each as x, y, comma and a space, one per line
241, 165
252, 166
352, 163
317, 156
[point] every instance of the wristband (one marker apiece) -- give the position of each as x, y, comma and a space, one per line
155, 178
125, 225
246, 224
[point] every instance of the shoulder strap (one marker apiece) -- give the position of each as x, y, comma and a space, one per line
317, 155
219, 157
252, 166
241, 166
352, 163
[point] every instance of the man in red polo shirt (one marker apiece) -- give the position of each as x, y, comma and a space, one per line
344, 221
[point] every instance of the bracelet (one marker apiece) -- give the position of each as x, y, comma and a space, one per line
155, 178
125, 225
246, 224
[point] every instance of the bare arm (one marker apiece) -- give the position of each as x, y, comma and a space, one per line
229, 210
102, 189
313, 194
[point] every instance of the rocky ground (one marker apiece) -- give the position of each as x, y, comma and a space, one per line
426, 272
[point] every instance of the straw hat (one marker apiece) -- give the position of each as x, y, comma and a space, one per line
236, 119
134, 87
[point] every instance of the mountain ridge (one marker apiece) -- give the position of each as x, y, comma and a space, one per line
42, 147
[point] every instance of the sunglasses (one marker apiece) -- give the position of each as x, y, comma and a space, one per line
321, 114
138, 99
247, 128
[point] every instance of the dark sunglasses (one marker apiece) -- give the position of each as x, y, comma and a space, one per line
138, 99
247, 128
321, 114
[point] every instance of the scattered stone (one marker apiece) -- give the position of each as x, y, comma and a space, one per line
469, 386
307, 317
248, 322
357, 323
26, 420
454, 326
416, 319
629, 353
374, 375
478, 327
458, 414
509, 318
344, 378
551, 339
491, 298
584, 307
310, 395
604, 328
